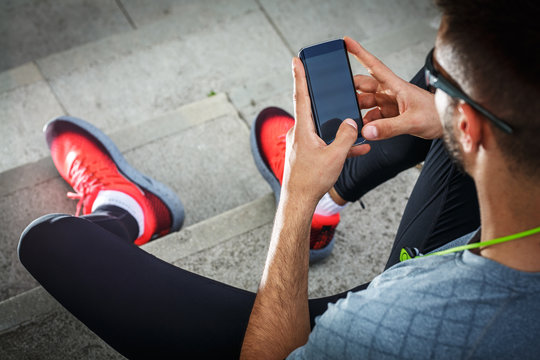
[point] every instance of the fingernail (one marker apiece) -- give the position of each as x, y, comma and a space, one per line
370, 132
352, 123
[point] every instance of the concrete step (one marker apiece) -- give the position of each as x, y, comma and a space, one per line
201, 151
33, 30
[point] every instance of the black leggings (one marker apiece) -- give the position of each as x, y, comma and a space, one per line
145, 307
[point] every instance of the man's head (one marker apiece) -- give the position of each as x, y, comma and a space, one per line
489, 49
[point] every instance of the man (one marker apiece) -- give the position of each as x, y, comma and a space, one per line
481, 303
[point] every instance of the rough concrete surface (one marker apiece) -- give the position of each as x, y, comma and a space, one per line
130, 88
17, 210
306, 22
58, 335
22, 75
191, 16
208, 166
213, 232
23, 112
33, 29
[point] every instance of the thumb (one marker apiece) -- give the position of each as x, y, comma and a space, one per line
385, 128
346, 135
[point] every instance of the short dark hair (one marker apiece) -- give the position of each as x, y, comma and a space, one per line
498, 46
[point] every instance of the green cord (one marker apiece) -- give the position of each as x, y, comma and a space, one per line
488, 243
404, 255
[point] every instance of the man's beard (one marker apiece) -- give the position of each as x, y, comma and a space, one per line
450, 140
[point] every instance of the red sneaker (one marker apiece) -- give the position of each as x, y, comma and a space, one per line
268, 144
268, 148
90, 162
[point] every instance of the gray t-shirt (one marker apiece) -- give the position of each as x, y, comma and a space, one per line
456, 306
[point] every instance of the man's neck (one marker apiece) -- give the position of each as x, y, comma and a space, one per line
508, 206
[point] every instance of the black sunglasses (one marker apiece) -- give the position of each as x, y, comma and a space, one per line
437, 80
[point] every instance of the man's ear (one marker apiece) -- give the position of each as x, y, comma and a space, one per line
470, 128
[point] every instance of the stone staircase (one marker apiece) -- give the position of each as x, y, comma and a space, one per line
176, 87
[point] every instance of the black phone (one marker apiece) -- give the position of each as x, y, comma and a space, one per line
331, 88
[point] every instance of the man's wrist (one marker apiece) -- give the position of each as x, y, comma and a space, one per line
300, 201
299, 209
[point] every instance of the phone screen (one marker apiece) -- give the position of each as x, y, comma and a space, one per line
331, 88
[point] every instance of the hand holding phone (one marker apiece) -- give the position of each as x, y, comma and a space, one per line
312, 167
331, 88
397, 106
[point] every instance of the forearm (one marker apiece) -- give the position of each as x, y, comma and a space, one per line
279, 321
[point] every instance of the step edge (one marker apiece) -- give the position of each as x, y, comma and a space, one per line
213, 231
24, 308
192, 114
22, 75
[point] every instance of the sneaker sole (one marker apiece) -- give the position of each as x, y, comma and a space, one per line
265, 171
162, 191
268, 175
320, 254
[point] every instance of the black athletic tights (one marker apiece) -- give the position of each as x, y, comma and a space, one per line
144, 307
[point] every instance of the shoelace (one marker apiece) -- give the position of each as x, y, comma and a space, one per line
278, 161
85, 180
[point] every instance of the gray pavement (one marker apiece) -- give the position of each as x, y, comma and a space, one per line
142, 72
30, 30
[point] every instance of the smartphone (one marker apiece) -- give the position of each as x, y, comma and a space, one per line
331, 88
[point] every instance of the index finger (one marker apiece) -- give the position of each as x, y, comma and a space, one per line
302, 102
376, 68
365, 83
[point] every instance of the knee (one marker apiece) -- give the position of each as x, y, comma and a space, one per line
36, 235
404, 148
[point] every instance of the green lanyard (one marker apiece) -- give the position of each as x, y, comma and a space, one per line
409, 253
